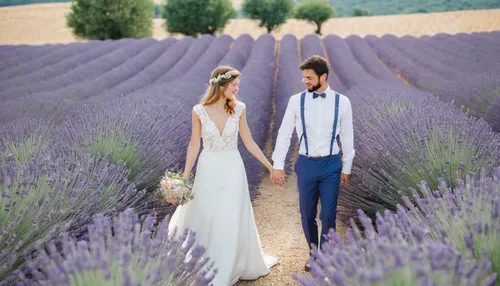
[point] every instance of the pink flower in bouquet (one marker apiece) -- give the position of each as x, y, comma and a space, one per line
174, 190
165, 184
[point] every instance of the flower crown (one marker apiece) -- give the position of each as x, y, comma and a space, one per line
220, 77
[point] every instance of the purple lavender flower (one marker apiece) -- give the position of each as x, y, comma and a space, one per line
466, 215
134, 131
123, 250
405, 136
25, 139
492, 115
44, 195
387, 258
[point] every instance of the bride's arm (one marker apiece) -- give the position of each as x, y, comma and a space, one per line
194, 145
252, 147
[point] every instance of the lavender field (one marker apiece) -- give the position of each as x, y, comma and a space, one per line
88, 129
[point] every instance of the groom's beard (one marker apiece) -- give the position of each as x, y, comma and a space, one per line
314, 88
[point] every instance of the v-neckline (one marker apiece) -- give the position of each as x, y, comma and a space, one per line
213, 122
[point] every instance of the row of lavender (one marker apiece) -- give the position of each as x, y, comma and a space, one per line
461, 68
403, 136
52, 88
55, 162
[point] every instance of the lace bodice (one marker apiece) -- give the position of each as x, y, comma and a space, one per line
213, 140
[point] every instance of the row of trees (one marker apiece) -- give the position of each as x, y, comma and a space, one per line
273, 13
100, 19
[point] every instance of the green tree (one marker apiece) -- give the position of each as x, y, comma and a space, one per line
271, 13
111, 19
359, 12
315, 11
193, 17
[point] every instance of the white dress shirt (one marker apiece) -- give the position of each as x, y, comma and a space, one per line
319, 116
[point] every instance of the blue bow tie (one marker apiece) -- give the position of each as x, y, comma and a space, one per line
317, 94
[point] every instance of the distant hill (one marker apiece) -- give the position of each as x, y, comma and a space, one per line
390, 7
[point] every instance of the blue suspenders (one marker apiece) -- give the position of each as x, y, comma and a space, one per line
337, 96
304, 134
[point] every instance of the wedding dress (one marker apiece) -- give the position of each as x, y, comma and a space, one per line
221, 213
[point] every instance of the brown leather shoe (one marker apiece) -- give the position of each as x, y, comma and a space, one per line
307, 267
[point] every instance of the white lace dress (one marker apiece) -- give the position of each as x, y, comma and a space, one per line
221, 213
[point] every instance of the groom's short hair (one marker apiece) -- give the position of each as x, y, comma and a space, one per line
316, 63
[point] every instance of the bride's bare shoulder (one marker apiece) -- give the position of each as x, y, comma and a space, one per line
240, 104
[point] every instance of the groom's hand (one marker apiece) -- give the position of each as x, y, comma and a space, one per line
344, 178
278, 176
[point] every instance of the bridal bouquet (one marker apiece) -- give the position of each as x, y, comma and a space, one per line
175, 190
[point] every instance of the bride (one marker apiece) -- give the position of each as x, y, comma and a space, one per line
221, 213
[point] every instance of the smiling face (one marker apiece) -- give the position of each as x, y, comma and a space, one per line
311, 68
312, 81
231, 89
224, 85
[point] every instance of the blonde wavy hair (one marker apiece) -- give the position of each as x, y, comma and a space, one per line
221, 77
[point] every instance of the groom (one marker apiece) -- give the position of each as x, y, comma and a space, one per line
318, 115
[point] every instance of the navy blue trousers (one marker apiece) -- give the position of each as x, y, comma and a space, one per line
318, 179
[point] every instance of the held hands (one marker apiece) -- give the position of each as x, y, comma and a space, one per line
278, 176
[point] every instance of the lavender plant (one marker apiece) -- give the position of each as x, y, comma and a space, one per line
468, 215
132, 130
47, 194
386, 257
493, 115
122, 250
405, 136
25, 139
